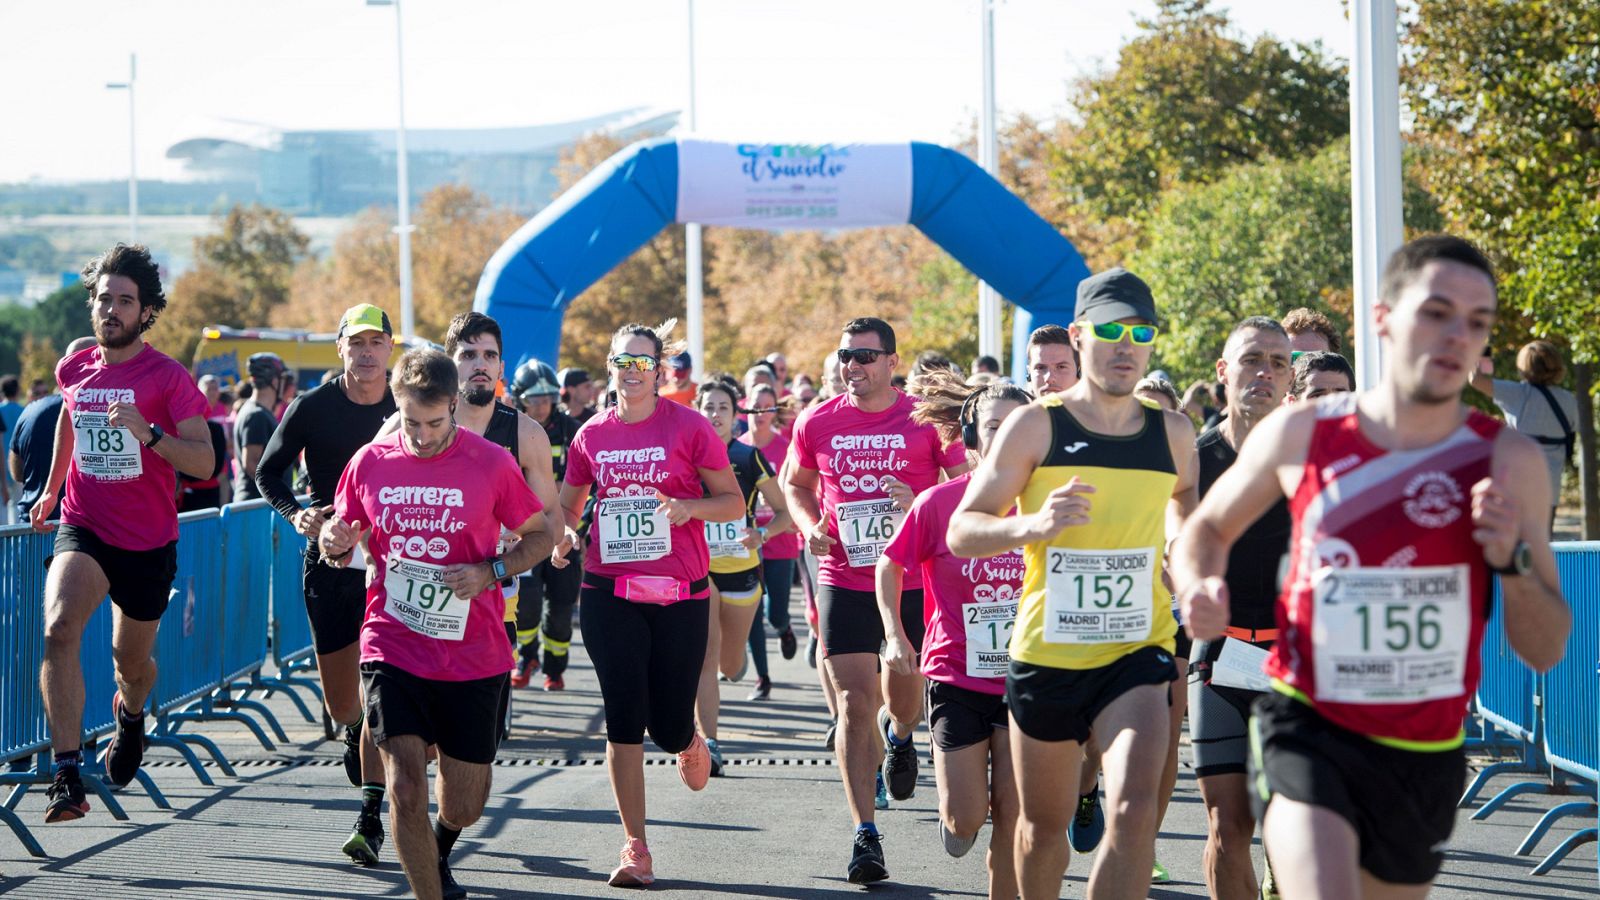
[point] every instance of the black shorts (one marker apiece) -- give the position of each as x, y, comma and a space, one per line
850, 622
960, 717
461, 717
1402, 803
336, 604
141, 580
739, 588
1053, 704
1184, 643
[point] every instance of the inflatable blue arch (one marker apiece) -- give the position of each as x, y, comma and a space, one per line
627, 200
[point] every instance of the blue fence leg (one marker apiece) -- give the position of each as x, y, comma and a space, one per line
273, 685
1502, 798
1537, 833
258, 708
1516, 766
93, 783
217, 716
1558, 854
149, 785
23, 834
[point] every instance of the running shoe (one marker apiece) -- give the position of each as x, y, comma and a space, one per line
554, 683
762, 690
367, 839
126, 750
788, 643
522, 675
830, 734
899, 760
65, 798
352, 754
448, 888
635, 870
954, 844
716, 757
866, 859
1159, 873
880, 795
694, 764
1088, 825
1269, 884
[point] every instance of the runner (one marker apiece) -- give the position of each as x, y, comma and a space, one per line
871, 461
577, 394
971, 605
544, 615
1404, 501
256, 423
1052, 360
131, 420
434, 668
327, 425
645, 588
779, 553
33, 443
1317, 374
735, 548
1075, 664
1255, 370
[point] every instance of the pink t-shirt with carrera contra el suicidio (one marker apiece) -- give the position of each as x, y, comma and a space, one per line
118, 488
628, 464
426, 513
853, 451
969, 604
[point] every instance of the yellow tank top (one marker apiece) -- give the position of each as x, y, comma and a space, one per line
1093, 594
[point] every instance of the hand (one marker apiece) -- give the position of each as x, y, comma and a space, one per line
569, 542
1205, 608
673, 509
126, 415
337, 540
900, 492
1063, 507
309, 521
898, 656
818, 542
468, 580
1496, 520
752, 539
39, 515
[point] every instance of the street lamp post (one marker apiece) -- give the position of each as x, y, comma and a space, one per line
133, 155
403, 187
989, 160
694, 286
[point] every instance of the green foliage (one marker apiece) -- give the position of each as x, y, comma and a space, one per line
51, 323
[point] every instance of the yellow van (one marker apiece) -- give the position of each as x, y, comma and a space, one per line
309, 355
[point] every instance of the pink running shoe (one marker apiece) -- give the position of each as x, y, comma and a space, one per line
694, 764
635, 869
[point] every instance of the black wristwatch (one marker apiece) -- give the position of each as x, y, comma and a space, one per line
156, 434
497, 565
1521, 562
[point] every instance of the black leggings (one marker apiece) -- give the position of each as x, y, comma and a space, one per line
648, 660
548, 595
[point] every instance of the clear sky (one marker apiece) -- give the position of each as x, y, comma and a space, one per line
812, 70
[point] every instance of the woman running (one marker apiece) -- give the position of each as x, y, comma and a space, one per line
645, 588
970, 606
779, 553
735, 547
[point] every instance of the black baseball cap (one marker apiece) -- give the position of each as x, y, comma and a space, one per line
572, 377
1114, 294
680, 361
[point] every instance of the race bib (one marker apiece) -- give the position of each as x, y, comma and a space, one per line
1239, 666
866, 527
723, 540
1389, 636
988, 634
417, 598
632, 529
105, 451
1098, 596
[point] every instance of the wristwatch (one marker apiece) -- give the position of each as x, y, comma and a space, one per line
156, 434
1521, 562
498, 566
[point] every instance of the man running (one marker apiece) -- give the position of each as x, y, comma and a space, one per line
428, 505
1255, 370
1052, 361
1404, 502
1317, 374
328, 424
871, 462
1093, 641
131, 420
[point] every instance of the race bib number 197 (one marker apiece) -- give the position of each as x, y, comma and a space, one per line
1098, 596
415, 595
105, 451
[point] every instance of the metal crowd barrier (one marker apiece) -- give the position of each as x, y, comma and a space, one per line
1507, 702
290, 629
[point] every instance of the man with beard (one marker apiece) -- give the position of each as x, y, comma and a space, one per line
132, 420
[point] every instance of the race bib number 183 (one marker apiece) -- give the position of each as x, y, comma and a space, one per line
105, 451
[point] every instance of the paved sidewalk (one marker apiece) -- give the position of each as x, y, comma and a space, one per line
775, 827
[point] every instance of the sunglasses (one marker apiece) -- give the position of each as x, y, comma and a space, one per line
860, 357
625, 361
1112, 332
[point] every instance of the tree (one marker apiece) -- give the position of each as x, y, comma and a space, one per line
38, 360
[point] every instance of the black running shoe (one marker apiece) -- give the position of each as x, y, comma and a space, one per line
352, 754
788, 643
367, 840
126, 750
866, 859
447, 883
65, 797
762, 690
899, 761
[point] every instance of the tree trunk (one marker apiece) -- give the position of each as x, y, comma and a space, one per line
1588, 477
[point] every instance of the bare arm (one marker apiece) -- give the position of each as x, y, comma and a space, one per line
723, 503
1514, 504
782, 521
60, 461
980, 526
800, 489
252, 457
897, 655
16, 466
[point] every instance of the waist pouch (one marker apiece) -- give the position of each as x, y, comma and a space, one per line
656, 590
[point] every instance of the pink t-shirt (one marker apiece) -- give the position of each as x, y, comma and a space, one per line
629, 463
116, 488
853, 450
424, 514
784, 546
962, 598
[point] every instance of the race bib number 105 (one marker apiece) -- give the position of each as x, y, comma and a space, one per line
632, 529
1098, 596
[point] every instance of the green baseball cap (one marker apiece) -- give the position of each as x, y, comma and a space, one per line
364, 317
